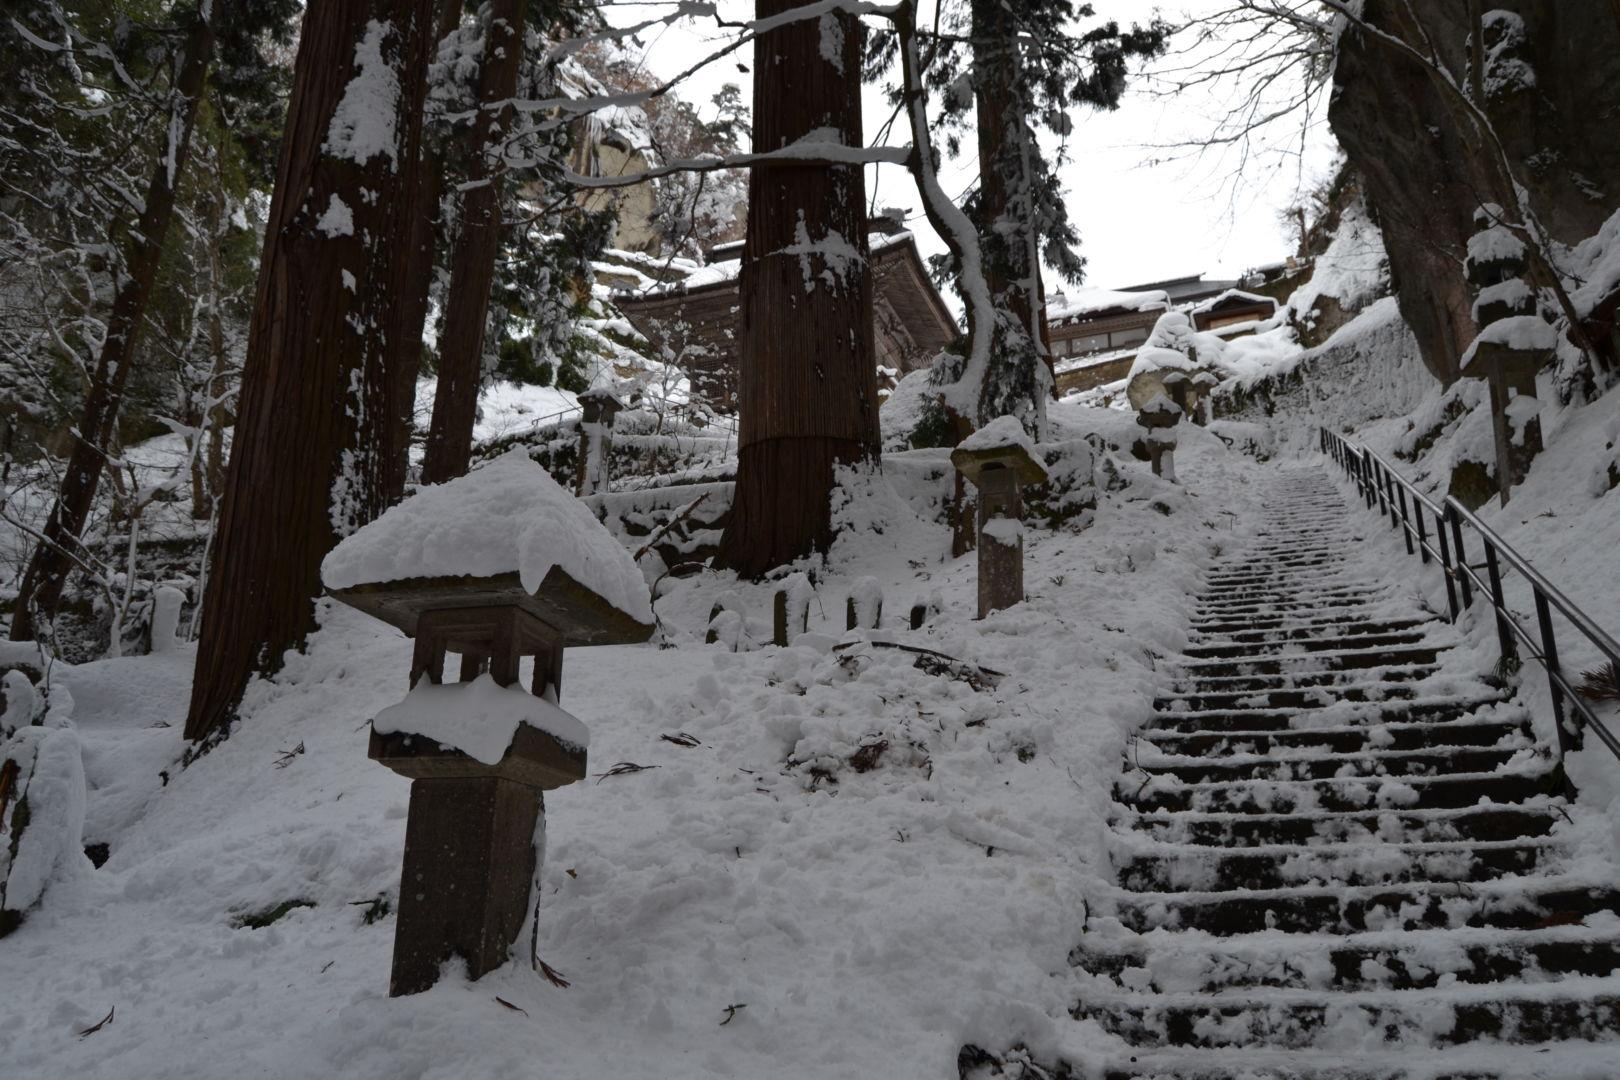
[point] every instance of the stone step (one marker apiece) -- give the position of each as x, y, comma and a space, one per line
1341, 608
1344, 739
1511, 904
1491, 821
1278, 663
1258, 597
1315, 763
1418, 960
1311, 697
1264, 635
1575, 1008
1304, 566
1289, 680
1166, 867
1290, 574
1312, 619
1567, 1060
1324, 643
1338, 794
1347, 714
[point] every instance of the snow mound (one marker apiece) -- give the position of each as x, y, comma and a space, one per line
479, 718
507, 516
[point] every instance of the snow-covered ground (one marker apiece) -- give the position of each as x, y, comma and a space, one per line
873, 863
873, 910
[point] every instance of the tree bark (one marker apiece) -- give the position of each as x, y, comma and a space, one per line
309, 457
40, 592
1012, 264
405, 336
808, 381
478, 245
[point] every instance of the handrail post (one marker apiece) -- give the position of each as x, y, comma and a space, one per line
1406, 525
1446, 563
1504, 631
1567, 740
1461, 557
1422, 532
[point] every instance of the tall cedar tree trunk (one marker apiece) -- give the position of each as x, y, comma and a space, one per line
1012, 261
472, 262
309, 457
405, 338
47, 572
807, 392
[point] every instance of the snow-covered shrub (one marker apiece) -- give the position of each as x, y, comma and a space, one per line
1068, 499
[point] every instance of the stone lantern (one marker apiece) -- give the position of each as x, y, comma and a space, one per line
599, 408
1513, 345
999, 460
1203, 390
1160, 417
479, 752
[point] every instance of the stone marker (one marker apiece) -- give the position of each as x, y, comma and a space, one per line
863, 609
470, 857
790, 609
999, 461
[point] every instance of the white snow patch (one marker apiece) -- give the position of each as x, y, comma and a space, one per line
479, 718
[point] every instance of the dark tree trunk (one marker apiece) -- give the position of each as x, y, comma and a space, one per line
405, 336
40, 591
472, 262
808, 382
309, 457
1012, 262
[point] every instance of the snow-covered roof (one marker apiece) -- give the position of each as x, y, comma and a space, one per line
1232, 294
507, 516
728, 269
1089, 301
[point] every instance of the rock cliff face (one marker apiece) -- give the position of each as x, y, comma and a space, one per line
1552, 87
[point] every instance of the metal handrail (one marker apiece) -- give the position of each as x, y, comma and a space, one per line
1394, 496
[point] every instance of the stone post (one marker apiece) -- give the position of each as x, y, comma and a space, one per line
599, 408
998, 461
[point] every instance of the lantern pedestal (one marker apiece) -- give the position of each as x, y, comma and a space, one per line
464, 888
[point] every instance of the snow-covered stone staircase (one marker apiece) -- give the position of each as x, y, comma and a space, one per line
1340, 856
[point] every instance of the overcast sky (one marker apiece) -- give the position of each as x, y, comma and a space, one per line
1140, 216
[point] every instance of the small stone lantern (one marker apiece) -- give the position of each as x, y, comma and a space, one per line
1160, 417
1204, 385
999, 460
479, 752
599, 408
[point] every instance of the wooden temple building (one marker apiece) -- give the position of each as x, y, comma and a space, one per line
1095, 333
693, 321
